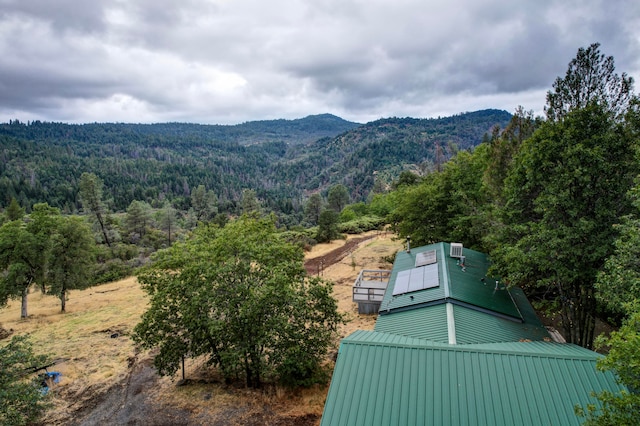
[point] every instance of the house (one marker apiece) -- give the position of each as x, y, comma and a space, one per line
453, 346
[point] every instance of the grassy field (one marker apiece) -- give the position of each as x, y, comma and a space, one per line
93, 351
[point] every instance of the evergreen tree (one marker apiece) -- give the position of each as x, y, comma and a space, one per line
90, 187
313, 208
338, 197
204, 203
327, 226
590, 78
14, 211
138, 218
250, 204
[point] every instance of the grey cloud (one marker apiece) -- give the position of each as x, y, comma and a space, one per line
219, 60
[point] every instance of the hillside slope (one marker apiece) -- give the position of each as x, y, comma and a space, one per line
282, 160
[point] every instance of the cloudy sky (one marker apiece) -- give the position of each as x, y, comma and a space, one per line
230, 61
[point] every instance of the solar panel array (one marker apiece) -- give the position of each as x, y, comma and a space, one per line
426, 258
416, 279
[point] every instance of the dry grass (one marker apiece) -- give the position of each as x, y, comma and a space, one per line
93, 351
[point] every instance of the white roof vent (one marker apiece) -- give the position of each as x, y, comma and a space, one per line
456, 250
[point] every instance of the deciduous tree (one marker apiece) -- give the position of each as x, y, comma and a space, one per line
24, 250
71, 258
240, 297
623, 358
566, 191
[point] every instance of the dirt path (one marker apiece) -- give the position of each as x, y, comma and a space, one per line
317, 265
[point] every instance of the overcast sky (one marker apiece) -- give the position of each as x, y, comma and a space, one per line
230, 61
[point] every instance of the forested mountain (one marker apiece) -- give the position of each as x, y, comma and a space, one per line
381, 149
42, 162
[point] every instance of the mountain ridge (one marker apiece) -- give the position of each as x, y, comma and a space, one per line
281, 160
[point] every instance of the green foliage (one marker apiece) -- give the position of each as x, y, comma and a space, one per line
619, 282
361, 224
338, 197
277, 159
167, 219
250, 203
71, 259
327, 226
239, 296
204, 203
446, 206
566, 190
406, 178
623, 408
137, 220
590, 78
21, 400
503, 146
14, 211
24, 249
111, 270
382, 205
90, 193
346, 215
313, 208
303, 238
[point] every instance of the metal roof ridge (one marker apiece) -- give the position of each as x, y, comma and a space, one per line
477, 348
451, 324
455, 301
445, 271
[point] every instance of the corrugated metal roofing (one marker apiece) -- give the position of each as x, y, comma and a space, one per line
500, 371
466, 284
470, 284
430, 324
383, 380
478, 327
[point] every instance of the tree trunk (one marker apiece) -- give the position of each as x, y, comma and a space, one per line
23, 308
103, 229
63, 299
578, 310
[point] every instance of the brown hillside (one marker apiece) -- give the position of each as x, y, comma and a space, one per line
107, 381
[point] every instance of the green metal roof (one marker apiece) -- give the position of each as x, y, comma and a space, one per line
385, 379
468, 285
472, 326
428, 323
462, 353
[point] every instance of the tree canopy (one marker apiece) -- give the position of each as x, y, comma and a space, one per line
240, 297
21, 399
590, 78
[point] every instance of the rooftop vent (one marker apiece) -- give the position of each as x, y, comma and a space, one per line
456, 250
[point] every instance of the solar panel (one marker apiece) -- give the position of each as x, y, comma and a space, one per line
416, 279
425, 258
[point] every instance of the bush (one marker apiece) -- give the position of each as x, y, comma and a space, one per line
363, 224
112, 270
22, 401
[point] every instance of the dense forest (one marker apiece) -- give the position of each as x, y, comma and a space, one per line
283, 161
